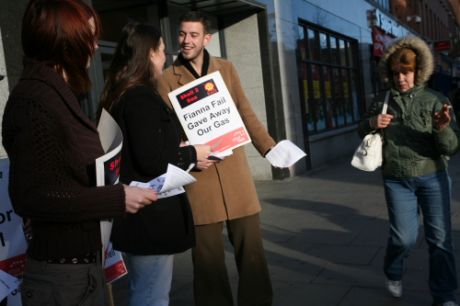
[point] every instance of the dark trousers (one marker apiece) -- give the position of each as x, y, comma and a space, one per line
61, 284
211, 283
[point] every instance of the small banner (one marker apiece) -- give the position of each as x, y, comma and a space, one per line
208, 114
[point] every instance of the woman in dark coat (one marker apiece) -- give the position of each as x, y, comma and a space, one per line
52, 147
152, 139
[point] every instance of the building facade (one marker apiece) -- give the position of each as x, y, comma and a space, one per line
307, 66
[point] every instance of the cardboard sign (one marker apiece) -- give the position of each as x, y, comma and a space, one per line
208, 114
13, 244
108, 173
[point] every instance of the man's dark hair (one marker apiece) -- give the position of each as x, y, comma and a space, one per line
197, 16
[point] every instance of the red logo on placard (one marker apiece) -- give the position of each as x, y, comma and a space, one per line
210, 88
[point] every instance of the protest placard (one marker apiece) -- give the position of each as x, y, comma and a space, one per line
108, 173
114, 267
208, 113
13, 244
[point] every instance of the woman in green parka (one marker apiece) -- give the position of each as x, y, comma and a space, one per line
420, 133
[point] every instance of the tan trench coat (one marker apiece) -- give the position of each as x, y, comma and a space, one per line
225, 191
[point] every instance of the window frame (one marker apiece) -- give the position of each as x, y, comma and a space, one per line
339, 105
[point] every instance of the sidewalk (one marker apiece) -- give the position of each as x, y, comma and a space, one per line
325, 234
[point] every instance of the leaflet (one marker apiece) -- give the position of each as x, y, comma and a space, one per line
284, 154
221, 155
168, 184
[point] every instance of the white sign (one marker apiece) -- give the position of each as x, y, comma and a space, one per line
168, 184
208, 114
13, 243
108, 173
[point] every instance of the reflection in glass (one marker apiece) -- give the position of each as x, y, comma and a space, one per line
330, 121
334, 51
342, 53
318, 106
346, 95
350, 55
338, 97
324, 47
301, 44
312, 45
354, 96
306, 89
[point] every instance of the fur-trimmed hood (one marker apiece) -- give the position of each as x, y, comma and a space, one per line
424, 59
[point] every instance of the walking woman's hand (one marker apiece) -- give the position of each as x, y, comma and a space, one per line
442, 118
380, 121
137, 198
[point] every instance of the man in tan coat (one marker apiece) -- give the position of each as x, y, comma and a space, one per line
224, 191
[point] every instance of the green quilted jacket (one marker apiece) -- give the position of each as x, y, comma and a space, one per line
412, 147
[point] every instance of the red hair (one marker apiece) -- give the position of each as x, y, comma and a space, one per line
403, 60
59, 33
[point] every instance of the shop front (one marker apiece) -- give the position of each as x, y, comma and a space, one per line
239, 30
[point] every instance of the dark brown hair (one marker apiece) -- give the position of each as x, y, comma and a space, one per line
131, 64
403, 60
197, 16
58, 32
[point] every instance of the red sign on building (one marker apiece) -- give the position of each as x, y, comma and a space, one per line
442, 45
380, 41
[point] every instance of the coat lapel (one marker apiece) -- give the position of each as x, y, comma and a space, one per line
73, 104
183, 76
213, 65
41, 72
69, 98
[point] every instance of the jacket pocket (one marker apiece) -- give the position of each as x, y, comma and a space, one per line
88, 295
426, 119
35, 292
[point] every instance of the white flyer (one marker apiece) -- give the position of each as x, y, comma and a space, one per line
208, 113
284, 154
168, 184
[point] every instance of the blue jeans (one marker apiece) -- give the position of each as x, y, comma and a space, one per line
150, 279
406, 198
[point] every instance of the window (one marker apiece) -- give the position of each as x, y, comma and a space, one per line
328, 79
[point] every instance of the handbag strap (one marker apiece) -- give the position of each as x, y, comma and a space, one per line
385, 103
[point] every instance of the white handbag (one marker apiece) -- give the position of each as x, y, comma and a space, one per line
368, 155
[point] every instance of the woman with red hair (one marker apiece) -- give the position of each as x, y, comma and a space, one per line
52, 146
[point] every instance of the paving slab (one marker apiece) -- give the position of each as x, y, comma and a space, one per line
325, 234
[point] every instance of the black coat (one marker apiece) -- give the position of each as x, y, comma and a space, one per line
152, 136
52, 146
